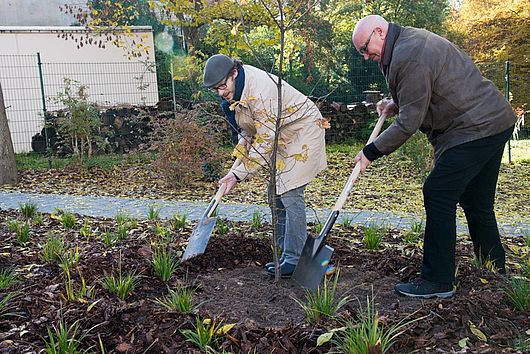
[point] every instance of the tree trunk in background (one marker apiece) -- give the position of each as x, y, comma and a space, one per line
8, 165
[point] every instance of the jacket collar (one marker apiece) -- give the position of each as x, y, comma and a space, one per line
393, 34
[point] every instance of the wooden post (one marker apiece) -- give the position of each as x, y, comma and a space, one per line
8, 165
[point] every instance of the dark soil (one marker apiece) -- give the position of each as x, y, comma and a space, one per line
233, 288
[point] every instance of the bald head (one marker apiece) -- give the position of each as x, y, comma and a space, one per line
369, 35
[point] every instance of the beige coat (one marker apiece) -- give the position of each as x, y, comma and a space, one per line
302, 152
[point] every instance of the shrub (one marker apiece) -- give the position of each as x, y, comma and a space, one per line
186, 152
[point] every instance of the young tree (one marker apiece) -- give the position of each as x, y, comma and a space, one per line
8, 165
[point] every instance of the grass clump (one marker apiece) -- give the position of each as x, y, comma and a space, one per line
68, 220
23, 233
323, 302
121, 284
257, 219
368, 335
204, 335
373, 236
518, 292
7, 278
164, 263
179, 300
178, 222
28, 209
53, 249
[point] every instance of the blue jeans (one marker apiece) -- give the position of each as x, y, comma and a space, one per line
292, 224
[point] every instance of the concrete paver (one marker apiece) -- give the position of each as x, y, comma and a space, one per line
109, 207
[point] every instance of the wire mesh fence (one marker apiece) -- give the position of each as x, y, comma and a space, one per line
32, 90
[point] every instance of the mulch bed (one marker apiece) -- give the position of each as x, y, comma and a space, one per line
233, 288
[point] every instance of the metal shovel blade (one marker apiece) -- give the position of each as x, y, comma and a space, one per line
311, 269
199, 238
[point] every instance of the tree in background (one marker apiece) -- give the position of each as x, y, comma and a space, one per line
493, 31
8, 165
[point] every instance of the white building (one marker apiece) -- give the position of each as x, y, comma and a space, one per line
111, 76
28, 27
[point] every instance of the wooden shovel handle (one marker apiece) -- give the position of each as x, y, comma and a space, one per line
357, 169
221, 190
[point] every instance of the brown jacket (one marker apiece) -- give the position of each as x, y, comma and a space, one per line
438, 90
301, 152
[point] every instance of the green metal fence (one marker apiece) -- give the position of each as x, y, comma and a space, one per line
32, 86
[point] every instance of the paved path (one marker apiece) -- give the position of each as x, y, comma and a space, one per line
138, 208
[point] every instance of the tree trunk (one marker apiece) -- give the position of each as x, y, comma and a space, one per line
8, 164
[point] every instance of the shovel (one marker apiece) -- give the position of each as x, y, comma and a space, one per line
201, 233
316, 254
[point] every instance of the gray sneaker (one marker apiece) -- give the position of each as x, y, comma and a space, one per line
421, 288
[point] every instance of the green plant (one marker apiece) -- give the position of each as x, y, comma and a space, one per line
23, 233
68, 220
85, 230
323, 302
122, 218
163, 233
13, 225
257, 219
53, 249
204, 335
367, 335
222, 227
74, 293
65, 339
346, 221
518, 293
121, 284
373, 236
109, 238
416, 230
122, 231
317, 228
38, 219
80, 120
178, 222
525, 267
68, 259
180, 299
7, 278
153, 213
479, 262
28, 209
164, 263
6, 304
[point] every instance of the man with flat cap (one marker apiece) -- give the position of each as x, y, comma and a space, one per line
250, 100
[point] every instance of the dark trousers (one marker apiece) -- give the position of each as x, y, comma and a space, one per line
465, 174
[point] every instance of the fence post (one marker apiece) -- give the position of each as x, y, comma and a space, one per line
173, 90
45, 112
507, 95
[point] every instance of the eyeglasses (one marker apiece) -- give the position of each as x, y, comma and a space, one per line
221, 86
364, 48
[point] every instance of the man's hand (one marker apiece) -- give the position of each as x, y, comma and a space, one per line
360, 158
230, 180
387, 106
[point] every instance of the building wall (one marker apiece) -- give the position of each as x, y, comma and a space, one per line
36, 12
112, 78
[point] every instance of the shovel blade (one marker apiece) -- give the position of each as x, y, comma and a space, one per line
312, 268
199, 238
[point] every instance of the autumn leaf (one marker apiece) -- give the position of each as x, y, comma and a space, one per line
280, 164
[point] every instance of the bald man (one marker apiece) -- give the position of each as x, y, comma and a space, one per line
437, 89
